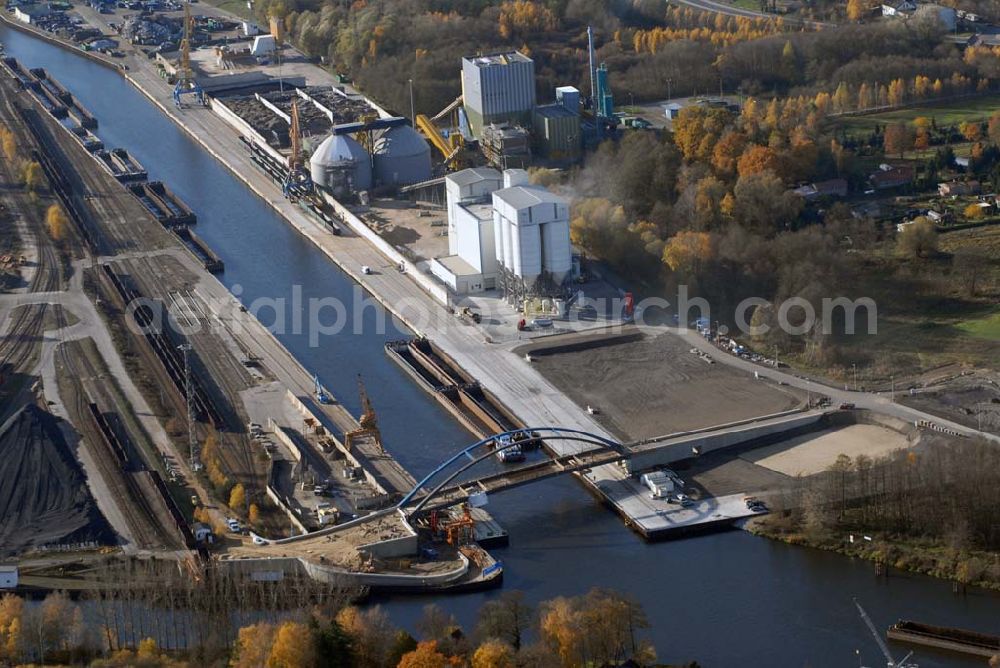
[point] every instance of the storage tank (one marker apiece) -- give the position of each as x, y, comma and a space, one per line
527, 249
557, 253
402, 157
341, 165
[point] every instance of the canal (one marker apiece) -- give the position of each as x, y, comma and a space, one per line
725, 599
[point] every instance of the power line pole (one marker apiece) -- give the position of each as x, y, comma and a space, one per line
189, 400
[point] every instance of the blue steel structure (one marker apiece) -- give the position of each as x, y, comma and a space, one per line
547, 433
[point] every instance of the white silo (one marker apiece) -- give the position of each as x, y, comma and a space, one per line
529, 245
402, 157
557, 252
341, 165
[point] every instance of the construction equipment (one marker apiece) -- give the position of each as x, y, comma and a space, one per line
322, 395
297, 178
451, 148
186, 83
462, 530
890, 662
368, 422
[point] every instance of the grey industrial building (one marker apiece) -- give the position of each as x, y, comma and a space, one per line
498, 88
557, 132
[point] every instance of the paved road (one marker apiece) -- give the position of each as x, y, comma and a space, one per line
730, 10
877, 402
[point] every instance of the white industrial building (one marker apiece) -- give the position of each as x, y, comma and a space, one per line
504, 233
8, 577
531, 234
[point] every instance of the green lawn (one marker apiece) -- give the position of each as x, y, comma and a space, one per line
237, 7
983, 328
948, 113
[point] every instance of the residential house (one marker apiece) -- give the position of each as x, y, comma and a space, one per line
889, 176
959, 188
821, 189
899, 8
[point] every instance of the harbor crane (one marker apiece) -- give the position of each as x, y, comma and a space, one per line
890, 662
368, 422
297, 177
186, 83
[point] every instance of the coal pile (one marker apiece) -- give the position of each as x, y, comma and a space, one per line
140, 30
44, 498
313, 121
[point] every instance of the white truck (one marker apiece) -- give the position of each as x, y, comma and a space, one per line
659, 483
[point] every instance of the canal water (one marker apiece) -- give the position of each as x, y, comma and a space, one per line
723, 600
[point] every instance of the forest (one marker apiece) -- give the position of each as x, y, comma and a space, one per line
650, 47
601, 628
934, 509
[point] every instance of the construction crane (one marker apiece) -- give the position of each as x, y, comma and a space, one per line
296, 175
186, 83
890, 662
368, 422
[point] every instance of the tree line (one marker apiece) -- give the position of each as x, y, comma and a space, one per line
600, 627
933, 509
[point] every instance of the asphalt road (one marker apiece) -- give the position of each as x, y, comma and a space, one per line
725, 8
879, 402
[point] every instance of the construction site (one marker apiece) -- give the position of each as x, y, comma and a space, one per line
175, 394
200, 436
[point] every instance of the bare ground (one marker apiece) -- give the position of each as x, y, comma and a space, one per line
970, 400
654, 386
813, 453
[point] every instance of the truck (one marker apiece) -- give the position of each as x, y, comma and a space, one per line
660, 484
507, 450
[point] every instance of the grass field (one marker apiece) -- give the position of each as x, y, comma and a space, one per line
948, 113
237, 7
983, 328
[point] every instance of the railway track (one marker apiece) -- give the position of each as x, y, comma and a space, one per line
20, 344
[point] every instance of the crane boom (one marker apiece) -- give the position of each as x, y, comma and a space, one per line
295, 133
878, 638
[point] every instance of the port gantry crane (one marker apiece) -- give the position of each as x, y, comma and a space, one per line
890, 662
186, 83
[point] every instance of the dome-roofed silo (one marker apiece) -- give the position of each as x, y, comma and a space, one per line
341, 165
402, 157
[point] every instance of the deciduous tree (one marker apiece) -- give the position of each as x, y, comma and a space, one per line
918, 239
238, 497
493, 654
426, 655
294, 647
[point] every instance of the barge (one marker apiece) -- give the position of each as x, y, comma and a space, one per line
962, 641
90, 141
122, 166
21, 73
208, 258
166, 207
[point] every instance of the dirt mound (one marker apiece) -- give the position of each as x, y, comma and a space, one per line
44, 498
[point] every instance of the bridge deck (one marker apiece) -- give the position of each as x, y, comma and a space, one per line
522, 475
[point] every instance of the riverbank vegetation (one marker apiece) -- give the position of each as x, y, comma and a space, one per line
934, 510
600, 628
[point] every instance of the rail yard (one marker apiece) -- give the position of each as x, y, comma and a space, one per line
203, 440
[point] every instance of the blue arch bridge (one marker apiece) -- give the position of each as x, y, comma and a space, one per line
445, 486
